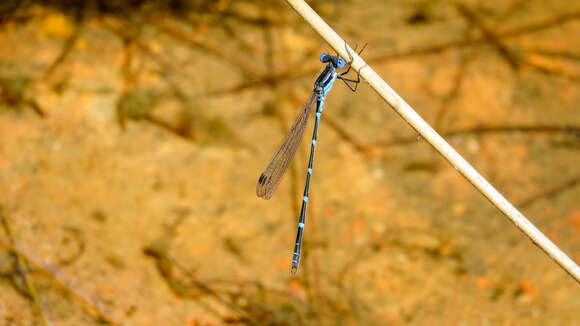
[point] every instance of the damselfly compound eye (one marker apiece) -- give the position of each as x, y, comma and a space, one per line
340, 62
324, 57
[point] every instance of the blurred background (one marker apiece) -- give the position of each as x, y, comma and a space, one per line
132, 135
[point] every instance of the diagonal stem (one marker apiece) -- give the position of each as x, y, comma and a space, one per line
429, 134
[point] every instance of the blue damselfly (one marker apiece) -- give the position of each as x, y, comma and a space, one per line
276, 168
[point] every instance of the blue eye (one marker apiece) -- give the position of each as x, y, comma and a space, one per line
324, 57
340, 62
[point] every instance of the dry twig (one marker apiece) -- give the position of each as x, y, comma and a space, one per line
429, 134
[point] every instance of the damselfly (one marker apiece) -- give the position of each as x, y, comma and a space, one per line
270, 178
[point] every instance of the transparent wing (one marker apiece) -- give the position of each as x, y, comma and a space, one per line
278, 165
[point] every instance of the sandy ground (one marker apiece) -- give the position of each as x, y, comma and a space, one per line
128, 168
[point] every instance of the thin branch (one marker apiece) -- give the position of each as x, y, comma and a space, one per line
551, 192
345, 135
480, 130
67, 47
194, 288
458, 79
553, 53
429, 134
275, 79
544, 24
196, 44
22, 270
13, 93
453, 44
489, 35
549, 69
56, 274
538, 129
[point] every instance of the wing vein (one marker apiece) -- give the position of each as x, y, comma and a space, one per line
280, 162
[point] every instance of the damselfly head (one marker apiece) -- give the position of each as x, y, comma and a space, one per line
337, 61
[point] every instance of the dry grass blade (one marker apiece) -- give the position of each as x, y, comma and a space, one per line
429, 134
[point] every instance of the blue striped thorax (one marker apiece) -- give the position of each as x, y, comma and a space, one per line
326, 79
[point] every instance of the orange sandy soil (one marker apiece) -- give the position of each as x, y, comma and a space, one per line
132, 200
